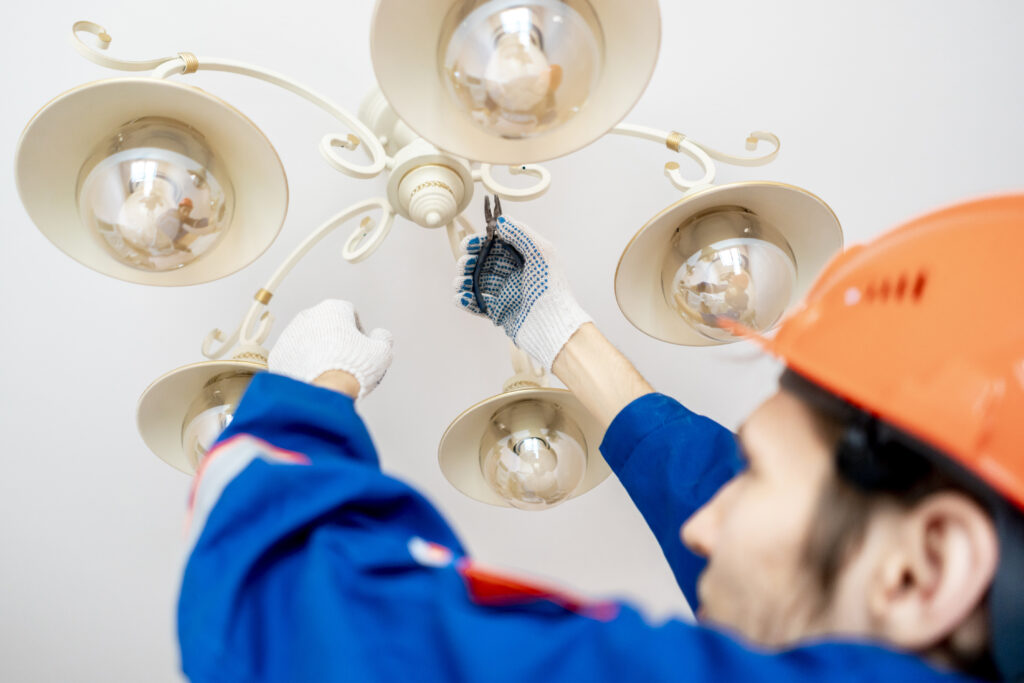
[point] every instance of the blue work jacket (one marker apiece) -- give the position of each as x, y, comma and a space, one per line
308, 564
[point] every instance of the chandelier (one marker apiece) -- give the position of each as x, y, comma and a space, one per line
157, 182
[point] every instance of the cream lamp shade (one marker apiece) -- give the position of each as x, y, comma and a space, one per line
465, 449
181, 413
204, 219
513, 81
745, 251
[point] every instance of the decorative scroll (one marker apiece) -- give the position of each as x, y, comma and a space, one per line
483, 174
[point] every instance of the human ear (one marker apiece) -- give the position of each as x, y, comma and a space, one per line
935, 572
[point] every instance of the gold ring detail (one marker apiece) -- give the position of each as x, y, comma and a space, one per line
191, 62
251, 357
674, 140
264, 296
432, 183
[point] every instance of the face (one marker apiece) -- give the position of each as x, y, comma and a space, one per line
754, 531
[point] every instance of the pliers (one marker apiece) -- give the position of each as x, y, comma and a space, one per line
485, 249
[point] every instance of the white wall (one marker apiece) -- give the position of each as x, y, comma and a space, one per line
886, 108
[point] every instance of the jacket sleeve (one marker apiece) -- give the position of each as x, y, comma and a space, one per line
309, 564
671, 462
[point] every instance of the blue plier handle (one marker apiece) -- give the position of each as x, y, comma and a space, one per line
485, 249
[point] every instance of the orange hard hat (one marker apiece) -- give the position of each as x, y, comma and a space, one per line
923, 327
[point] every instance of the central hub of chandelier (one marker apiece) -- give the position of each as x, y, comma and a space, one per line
161, 183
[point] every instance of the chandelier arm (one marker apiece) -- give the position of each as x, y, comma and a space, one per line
187, 63
701, 157
215, 344
522, 364
543, 176
458, 230
751, 145
95, 52
368, 236
255, 326
525, 373
677, 143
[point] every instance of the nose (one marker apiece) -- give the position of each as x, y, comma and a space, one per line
699, 532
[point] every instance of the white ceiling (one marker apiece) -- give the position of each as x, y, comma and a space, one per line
885, 109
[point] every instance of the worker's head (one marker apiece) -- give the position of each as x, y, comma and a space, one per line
884, 486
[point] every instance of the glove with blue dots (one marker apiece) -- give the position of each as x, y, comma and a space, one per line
529, 297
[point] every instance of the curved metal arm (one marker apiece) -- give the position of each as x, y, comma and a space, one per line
215, 344
751, 145
251, 332
526, 373
676, 144
94, 52
458, 230
675, 140
328, 145
698, 155
370, 234
255, 327
702, 154
483, 174
186, 62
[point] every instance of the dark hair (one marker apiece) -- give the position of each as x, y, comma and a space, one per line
875, 461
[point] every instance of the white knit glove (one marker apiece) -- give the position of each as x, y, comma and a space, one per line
532, 301
329, 337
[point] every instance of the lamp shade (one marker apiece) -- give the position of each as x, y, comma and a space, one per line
510, 82
70, 135
744, 251
185, 403
465, 451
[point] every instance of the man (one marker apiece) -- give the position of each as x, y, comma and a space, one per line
865, 523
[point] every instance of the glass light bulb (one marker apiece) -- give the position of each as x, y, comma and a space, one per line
518, 76
532, 455
155, 195
521, 67
729, 264
211, 412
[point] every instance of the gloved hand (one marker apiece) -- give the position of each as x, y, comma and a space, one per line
329, 337
531, 301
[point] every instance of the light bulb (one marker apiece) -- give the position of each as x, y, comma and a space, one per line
518, 75
520, 68
155, 195
532, 455
148, 220
728, 264
210, 413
